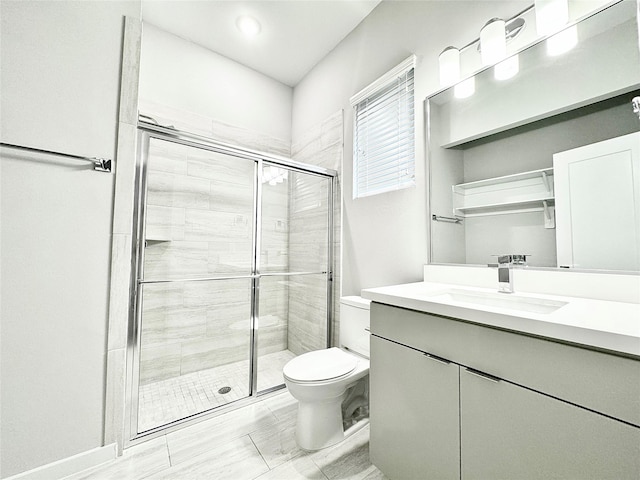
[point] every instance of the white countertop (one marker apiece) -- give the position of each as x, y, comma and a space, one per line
602, 324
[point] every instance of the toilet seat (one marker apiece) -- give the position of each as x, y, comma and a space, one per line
320, 365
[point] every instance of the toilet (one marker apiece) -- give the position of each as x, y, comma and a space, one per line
332, 385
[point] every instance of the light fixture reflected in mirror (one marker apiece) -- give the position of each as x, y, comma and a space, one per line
449, 63
507, 68
551, 16
466, 88
493, 42
274, 175
562, 41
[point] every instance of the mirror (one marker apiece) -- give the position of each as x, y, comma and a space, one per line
493, 186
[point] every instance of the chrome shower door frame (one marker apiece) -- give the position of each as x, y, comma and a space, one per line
146, 132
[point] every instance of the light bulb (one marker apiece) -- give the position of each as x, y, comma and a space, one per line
551, 15
493, 42
449, 63
249, 26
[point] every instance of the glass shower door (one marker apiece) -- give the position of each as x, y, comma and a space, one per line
294, 265
195, 282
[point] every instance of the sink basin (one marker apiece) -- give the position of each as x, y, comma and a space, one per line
499, 300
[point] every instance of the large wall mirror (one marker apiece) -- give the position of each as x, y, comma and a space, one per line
547, 162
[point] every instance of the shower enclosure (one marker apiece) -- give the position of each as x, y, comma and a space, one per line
233, 275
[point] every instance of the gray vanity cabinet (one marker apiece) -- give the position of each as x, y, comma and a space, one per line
501, 406
510, 432
414, 412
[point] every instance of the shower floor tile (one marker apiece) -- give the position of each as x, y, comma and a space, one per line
180, 397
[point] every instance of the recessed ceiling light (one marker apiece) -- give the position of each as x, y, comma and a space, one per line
249, 26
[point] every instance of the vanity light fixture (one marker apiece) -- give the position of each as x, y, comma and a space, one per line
249, 26
466, 88
492, 46
551, 15
449, 63
493, 41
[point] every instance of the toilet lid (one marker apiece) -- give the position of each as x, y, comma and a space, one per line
320, 365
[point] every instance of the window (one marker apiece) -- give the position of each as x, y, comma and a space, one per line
384, 134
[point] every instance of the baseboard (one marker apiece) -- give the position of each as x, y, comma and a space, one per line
70, 465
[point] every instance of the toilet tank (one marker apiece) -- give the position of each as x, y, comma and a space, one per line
354, 324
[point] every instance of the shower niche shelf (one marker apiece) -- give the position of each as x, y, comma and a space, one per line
158, 235
519, 193
154, 241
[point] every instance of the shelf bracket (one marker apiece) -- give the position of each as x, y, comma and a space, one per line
549, 215
545, 182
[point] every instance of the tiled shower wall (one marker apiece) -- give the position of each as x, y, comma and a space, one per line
199, 224
321, 146
190, 326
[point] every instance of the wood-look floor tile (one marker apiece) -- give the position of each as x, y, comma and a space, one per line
373, 473
277, 443
206, 436
236, 459
348, 459
298, 468
283, 405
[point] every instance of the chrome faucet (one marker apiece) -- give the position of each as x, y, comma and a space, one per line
505, 275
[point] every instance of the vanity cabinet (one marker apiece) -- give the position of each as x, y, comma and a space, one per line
511, 432
414, 400
524, 407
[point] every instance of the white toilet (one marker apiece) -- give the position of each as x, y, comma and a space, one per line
332, 385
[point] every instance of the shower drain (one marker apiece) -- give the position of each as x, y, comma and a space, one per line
224, 390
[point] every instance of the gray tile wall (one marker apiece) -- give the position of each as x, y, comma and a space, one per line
199, 224
199, 218
321, 146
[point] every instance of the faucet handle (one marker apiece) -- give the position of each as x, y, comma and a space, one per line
504, 259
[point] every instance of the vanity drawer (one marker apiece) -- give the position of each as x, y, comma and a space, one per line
603, 382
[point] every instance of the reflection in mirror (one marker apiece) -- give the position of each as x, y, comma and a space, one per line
491, 155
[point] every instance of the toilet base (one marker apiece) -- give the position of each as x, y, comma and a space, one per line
322, 424
319, 425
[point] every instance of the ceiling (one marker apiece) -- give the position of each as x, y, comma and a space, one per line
295, 34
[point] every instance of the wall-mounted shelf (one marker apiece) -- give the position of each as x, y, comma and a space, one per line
523, 192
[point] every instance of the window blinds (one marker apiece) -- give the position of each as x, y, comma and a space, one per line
384, 139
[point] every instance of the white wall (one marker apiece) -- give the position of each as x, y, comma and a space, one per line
385, 236
59, 90
185, 76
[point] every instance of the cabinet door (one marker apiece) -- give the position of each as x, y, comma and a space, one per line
598, 204
509, 432
414, 413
